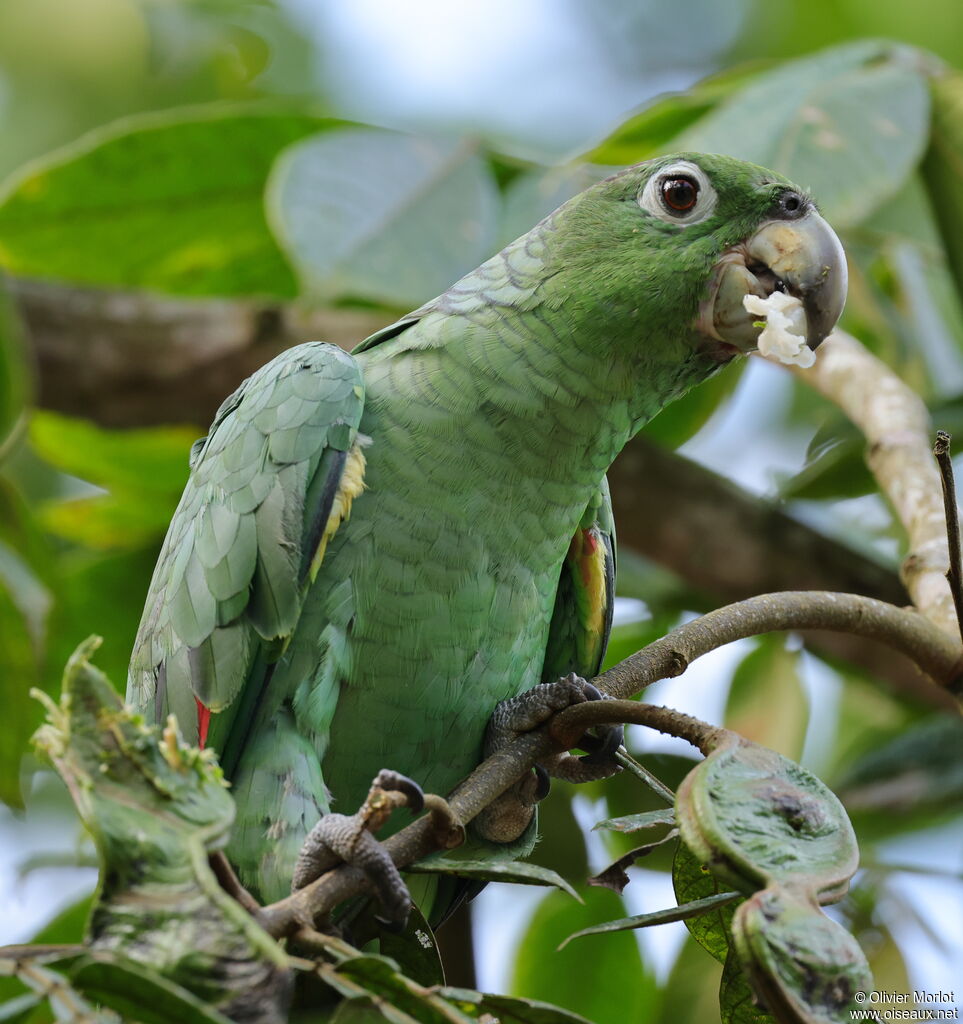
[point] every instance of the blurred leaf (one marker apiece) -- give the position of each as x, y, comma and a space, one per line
27, 589
520, 872
651, 130
102, 594
150, 458
637, 822
138, 993
561, 842
144, 470
850, 123
766, 702
681, 419
535, 194
943, 167
169, 201
683, 912
910, 781
691, 992
606, 982
835, 465
508, 1009
14, 374
415, 950
692, 882
382, 216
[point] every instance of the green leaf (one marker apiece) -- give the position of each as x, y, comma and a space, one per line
850, 123
366, 1009
415, 950
654, 127
656, 917
943, 167
144, 471
517, 871
767, 703
692, 882
609, 985
382, 216
14, 375
169, 201
835, 465
737, 1004
149, 458
137, 993
681, 419
911, 780
637, 822
508, 1009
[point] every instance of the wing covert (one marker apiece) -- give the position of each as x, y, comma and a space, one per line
582, 617
268, 487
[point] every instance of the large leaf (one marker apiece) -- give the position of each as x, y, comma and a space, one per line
766, 702
14, 376
143, 470
168, 201
382, 216
850, 123
943, 167
652, 129
27, 594
607, 982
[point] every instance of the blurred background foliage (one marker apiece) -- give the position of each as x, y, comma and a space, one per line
190, 186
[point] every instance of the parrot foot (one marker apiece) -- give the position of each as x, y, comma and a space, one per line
505, 819
348, 838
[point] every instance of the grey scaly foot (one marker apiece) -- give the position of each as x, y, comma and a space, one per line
348, 838
507, 817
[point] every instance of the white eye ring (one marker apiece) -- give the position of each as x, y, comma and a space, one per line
652, 201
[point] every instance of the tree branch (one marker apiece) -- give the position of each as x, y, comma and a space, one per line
903, 630
896, 425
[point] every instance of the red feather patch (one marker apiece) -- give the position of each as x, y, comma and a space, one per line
203, 721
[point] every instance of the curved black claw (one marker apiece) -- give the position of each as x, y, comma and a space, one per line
604, 740
603, 746
543, 783
396, 782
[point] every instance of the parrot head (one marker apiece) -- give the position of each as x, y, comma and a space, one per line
694, 233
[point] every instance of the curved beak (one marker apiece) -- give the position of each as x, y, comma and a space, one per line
802, 257
807, 257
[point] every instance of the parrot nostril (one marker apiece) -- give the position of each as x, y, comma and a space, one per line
792, 205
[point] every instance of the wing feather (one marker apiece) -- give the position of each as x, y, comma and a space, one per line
582, 618
230, 581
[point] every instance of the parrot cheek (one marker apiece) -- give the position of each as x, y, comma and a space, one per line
722, 316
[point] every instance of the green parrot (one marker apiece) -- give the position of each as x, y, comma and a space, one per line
375, 549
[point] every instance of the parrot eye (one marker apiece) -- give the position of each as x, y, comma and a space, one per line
679, 194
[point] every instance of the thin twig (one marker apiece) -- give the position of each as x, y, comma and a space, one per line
629, 763
954, 574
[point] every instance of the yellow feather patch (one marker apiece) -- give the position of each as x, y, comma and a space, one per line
352, 484
587, 557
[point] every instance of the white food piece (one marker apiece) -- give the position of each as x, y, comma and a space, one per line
784, 336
